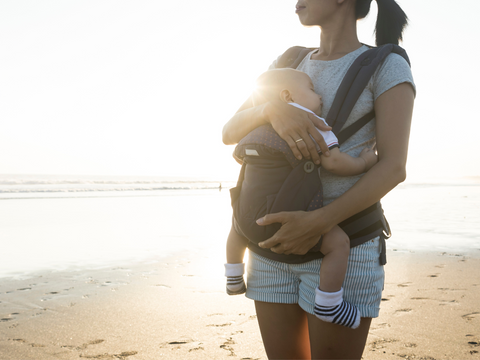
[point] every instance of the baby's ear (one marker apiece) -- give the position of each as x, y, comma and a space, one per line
286, 96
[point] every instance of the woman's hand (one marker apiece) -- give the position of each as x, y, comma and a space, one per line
297, 128
300, 231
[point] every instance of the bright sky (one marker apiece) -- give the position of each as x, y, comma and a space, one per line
124, 87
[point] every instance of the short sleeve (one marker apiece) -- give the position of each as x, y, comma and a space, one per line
394, 70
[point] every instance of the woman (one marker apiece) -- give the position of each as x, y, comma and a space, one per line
284, 293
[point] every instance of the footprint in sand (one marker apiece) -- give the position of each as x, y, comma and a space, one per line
179, 344
226, 346
197, 348
445, 302
402, 311
380, 326
471, 316
83, 346
23, 341
381, 344
448, 289
220, 325
18, 340
406, 284
114, 283
120, 356
21, 289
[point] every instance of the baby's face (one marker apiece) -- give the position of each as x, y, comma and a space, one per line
303, 93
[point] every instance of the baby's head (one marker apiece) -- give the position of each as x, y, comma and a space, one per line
288, 85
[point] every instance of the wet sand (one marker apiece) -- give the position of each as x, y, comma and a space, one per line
177, 309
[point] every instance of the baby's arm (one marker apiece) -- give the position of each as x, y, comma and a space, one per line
342, 164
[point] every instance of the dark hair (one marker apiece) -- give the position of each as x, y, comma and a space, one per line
391, 20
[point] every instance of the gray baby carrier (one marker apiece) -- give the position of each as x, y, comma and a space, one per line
272, 179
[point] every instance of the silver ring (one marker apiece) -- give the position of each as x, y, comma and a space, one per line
298, 140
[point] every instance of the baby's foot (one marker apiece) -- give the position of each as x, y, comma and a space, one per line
331, 307
235, 282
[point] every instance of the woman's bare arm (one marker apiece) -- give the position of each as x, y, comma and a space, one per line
301, 230
246, 119
290, 123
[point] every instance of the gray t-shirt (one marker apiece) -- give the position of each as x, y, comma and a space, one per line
326, 77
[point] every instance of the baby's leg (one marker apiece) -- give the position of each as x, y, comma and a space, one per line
329, 303
236, 246
336, 248
235, 268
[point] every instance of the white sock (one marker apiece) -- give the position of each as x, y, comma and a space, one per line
330, 307
234, 274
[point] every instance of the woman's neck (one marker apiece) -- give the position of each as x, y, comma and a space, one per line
337, 39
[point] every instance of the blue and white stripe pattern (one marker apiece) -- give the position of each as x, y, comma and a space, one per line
276, 282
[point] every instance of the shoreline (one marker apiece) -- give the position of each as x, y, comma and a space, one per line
177, 308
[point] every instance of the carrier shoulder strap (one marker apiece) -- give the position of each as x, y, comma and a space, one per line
293, 57
351, 87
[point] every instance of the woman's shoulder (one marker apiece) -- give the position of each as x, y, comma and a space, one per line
394, 70
395, 62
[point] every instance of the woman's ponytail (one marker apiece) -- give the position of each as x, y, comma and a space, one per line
391, 20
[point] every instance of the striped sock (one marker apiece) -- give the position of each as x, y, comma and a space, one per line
234, 274
331, 307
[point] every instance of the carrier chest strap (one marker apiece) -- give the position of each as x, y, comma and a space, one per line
357, 125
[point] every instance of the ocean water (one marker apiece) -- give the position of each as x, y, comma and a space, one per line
67, 222
26, 186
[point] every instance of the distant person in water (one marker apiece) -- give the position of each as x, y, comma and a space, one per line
296, 89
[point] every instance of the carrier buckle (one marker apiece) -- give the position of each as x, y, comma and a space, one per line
309, 167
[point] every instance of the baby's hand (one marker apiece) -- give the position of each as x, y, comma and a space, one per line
370, 157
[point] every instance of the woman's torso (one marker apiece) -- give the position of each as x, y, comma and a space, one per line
326, 77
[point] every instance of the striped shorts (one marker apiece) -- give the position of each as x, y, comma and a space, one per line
276, 282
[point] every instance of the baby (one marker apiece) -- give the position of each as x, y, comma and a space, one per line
296, 89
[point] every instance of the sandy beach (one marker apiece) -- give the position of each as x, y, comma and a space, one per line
177, 309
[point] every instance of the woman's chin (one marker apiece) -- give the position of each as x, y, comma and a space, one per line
305, 21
